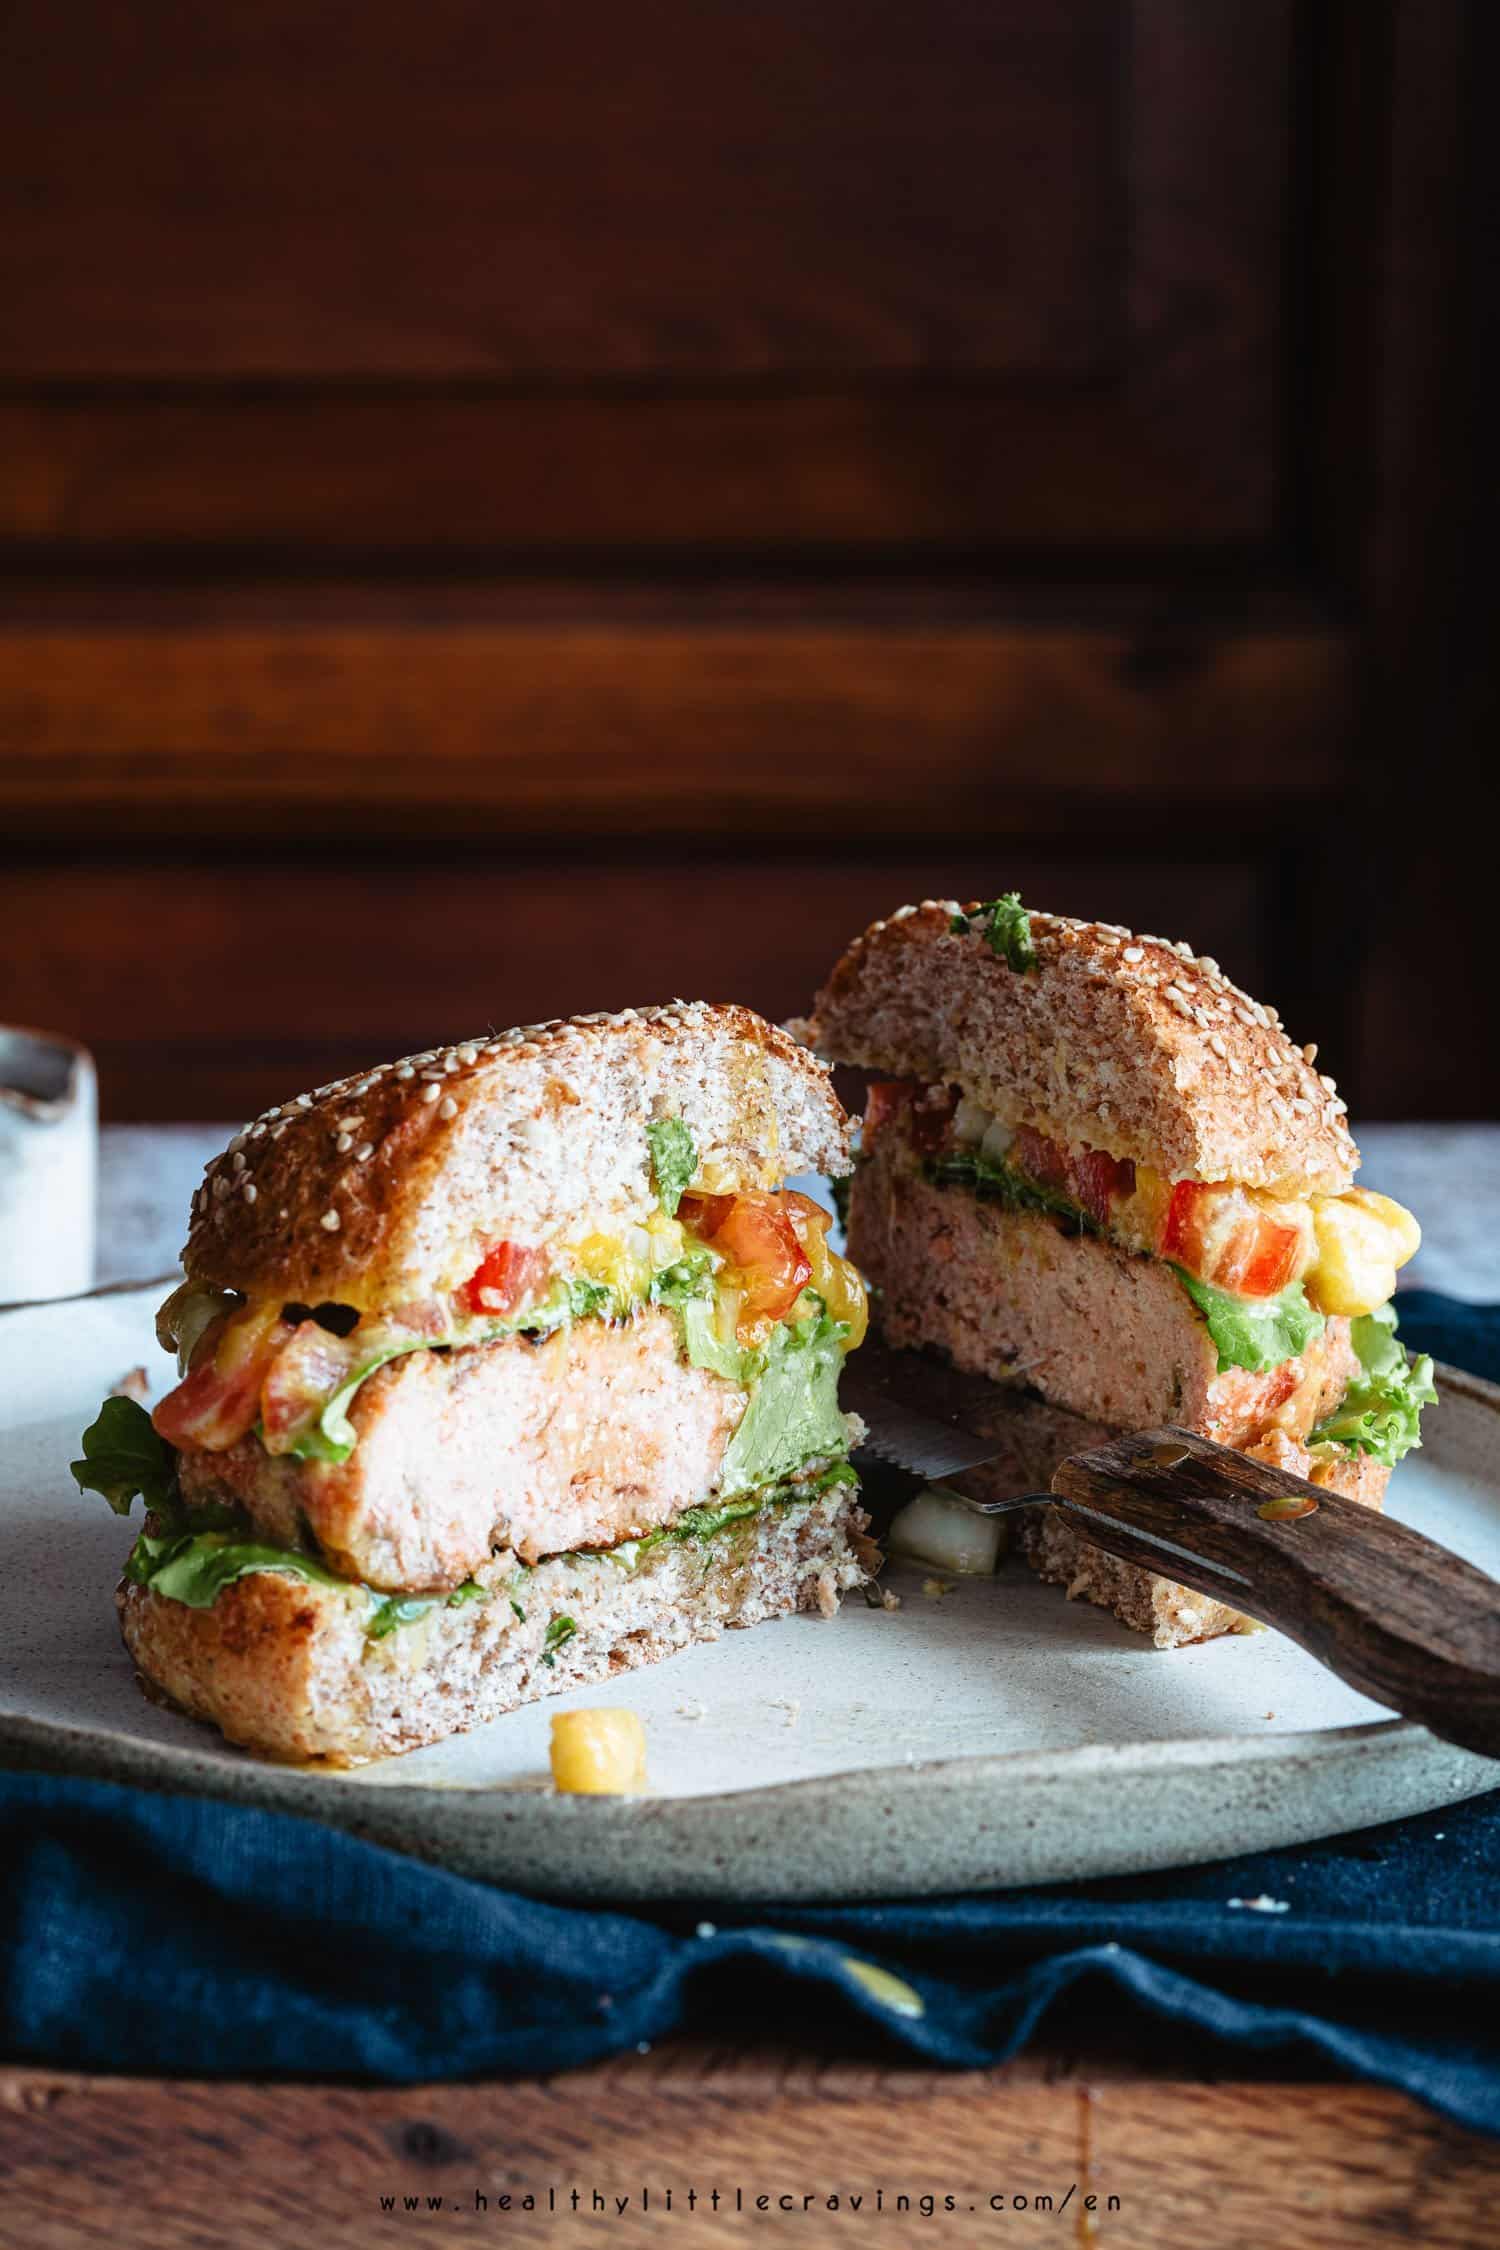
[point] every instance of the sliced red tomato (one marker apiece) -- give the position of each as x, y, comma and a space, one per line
1271, 1261
218, 1399
1182, 1229
756, 1235
311, 1365
508, 1274
1218, 1234
804, 1213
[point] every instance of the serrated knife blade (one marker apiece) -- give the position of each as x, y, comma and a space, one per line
916, 1411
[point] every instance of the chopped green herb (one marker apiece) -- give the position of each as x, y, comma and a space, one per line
515, 1605
674, 1160
469, 1591
397, 1609
1005, 926
687, 1278
1001, 1183
559, 1633
123, 1457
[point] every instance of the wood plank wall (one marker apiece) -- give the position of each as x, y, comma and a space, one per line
507, 510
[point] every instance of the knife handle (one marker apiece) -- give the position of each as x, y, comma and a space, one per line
1399, 1617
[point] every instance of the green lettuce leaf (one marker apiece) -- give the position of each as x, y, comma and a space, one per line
1381, 1412
123, 1457
1254, 1332
194, 1567
674, 1160
793, 1414
1005, 926
705, 1347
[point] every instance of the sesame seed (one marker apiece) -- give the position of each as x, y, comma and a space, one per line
221, 1184
305, 1101
257, 1129
451, 1064
277, 1131
1236, 1066
362, 1155
1210, 967
329, 1222
1179, 1002
1302, 1105
432, 1089
404, 1070
468, 1054
239, 1160
447, 1107
1216, 1042
1310, 1051
250, 1191
1327, 1083
344, 1143
1133, 953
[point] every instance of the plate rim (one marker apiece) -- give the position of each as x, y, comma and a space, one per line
549, 1826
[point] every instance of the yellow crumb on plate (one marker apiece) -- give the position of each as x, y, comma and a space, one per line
598, 1753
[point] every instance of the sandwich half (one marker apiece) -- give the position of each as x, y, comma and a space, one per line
1094, 1168
502, 1369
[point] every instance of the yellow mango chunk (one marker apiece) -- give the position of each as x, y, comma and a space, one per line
598, 1753
1362, 1238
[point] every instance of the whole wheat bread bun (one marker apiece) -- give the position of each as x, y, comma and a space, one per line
383, 1188
1129, 1044
287, 1669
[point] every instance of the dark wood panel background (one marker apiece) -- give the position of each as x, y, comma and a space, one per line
513, 509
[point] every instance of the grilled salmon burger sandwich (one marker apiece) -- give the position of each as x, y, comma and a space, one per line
1092, 1167
503, 1368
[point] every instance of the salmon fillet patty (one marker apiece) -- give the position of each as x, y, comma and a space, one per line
1108, 1333
591, 1435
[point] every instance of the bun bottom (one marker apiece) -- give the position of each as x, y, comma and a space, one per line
287, 1669
1035, 1436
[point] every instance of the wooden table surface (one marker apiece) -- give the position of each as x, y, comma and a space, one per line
1132, 2155
1192, 2142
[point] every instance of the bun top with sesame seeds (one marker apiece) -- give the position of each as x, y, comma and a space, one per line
1129, 1044
386, 1188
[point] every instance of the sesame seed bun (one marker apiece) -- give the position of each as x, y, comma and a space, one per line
384, 1188
1128, 1044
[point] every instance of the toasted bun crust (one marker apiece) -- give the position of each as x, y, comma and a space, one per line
384, 1188
1129, 1044
287, 1668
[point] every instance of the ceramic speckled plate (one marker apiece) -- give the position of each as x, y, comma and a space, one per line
999, 1735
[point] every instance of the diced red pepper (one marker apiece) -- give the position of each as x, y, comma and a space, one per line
507, 1275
